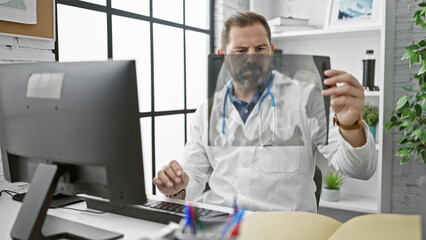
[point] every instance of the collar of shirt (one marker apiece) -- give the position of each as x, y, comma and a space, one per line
244, 108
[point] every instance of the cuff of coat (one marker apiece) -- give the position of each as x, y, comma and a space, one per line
367, 147
191, 191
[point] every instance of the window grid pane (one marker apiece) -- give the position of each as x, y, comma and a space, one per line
131, 39
169, 139
81, 40
197, 49
129, 44
197, 13
168, 68
134, 6
170, 10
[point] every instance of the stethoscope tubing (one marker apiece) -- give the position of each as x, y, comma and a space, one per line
268, 92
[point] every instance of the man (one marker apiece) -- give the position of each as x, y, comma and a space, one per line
267, 178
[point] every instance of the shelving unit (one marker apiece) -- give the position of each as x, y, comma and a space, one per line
375, 29
346, 47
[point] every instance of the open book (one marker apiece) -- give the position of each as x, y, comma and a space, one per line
302, 225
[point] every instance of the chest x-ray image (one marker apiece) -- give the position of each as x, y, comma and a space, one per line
265, 100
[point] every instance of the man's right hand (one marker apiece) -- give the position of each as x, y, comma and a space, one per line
171, 179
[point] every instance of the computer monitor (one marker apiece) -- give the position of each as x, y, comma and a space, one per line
74, 128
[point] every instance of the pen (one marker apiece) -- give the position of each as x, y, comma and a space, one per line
235, 205
237, 225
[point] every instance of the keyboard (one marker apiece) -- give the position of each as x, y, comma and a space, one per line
153, 210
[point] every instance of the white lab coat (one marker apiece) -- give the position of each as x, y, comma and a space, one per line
273, 177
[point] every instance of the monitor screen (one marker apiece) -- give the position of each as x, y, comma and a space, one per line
81, 117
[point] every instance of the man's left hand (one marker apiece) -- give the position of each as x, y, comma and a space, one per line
347, 99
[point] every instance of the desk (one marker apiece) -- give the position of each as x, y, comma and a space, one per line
132, 228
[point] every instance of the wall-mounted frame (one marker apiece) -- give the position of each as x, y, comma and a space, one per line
348, 13
44, 29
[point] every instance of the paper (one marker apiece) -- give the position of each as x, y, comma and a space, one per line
20, 11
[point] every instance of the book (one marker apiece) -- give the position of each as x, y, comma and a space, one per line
288, 21
303, 225
286, 28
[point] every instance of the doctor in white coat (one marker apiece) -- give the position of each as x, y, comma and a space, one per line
273, 168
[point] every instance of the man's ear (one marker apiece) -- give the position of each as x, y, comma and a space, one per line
220, 51
272, 47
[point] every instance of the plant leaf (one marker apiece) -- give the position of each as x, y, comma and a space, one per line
408, 130
424, 106
413, 47
408, 55
404, 160
422, 43
422, 4
406, 123
413, 116
411, 99
414, 59
403, 152
406, 113
402, 140
423, 54
423, 69
407, 88
423, 11
418, 109
417, 132
418, 20
401, 102
388, 126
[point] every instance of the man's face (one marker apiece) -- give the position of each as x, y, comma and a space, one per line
250, 59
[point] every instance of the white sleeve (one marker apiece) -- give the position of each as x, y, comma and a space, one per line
354, 162
195, 160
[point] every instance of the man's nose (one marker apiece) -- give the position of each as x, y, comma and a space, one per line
251, 51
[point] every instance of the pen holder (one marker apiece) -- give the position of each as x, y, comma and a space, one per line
184, 233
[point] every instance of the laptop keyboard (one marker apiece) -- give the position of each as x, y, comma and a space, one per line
177, 208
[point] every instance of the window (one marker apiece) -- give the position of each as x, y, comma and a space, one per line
170, 41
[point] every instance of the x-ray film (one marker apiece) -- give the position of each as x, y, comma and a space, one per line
267, 100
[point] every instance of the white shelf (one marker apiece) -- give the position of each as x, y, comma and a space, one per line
352, 203
347, 32
372, 93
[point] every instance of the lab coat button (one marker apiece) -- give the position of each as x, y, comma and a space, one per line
243, 193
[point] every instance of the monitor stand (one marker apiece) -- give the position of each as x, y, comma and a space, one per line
33, 222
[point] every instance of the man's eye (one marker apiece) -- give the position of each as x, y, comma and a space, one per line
240, 51
260, 49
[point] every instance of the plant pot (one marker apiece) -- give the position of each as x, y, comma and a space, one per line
331, 194
373, 131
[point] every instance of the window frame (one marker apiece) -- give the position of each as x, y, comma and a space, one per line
151, 20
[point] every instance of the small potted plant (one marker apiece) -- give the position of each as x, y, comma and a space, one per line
331, 190
370, 114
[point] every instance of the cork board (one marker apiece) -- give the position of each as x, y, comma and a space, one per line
44, 27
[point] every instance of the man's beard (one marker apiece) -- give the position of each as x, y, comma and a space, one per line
250, 77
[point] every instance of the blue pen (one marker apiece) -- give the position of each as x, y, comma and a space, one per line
235, 219
235, 205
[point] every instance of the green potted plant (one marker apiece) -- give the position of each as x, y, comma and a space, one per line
331, 191
370, 114
409, 114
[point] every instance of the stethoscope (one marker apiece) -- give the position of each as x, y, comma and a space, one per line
221, 138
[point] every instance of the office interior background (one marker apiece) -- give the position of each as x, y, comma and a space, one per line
170, 40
